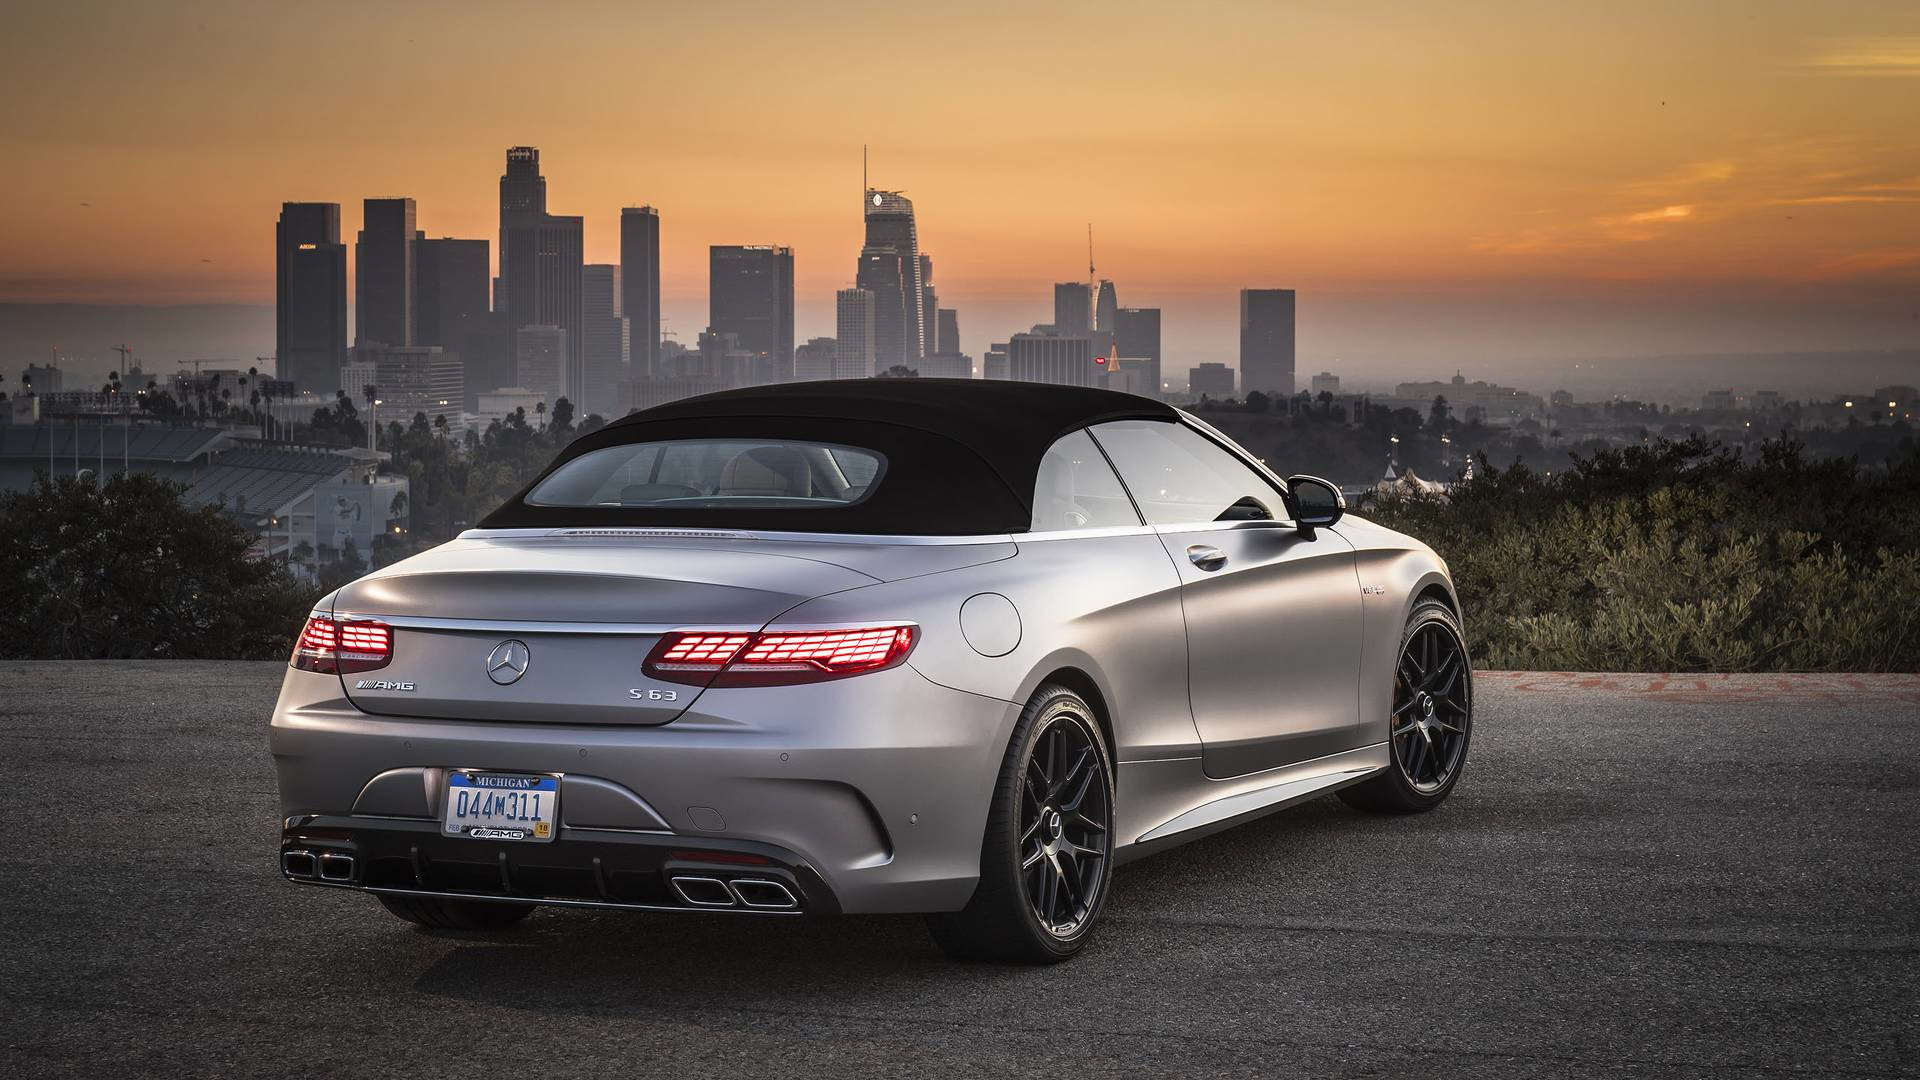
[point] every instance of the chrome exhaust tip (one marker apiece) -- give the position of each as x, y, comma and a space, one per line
702, 891
299, 864
336, 867
764, 894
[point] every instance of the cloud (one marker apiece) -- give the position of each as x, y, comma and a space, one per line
1871, 57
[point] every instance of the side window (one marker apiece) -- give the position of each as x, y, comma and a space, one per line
1179, 476
1076, 489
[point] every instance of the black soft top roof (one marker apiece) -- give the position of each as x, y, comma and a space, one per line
963, 454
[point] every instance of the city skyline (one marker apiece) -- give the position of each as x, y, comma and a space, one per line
1743, 185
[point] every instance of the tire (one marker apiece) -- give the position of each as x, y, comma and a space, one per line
1432, 720
435, 913
1062, 826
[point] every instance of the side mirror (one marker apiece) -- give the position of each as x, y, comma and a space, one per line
1314, 503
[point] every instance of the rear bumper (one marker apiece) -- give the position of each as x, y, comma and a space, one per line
866, 794
635, 872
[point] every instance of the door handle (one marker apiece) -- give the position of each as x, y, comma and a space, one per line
1206, 557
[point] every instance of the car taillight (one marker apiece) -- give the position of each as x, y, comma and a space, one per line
776, 657
336, 647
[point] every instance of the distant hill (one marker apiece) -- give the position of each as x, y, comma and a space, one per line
161, 337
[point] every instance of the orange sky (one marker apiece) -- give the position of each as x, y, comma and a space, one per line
1486, 155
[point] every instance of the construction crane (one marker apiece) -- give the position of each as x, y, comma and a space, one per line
126, 357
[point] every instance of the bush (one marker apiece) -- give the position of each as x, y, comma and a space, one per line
128, 570
1684, 557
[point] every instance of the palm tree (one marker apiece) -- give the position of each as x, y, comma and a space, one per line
540, 410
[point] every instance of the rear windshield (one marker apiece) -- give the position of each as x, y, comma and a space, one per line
715, 474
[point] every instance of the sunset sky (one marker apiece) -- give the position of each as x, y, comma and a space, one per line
1443, 182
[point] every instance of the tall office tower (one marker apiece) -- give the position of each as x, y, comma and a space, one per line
605, 350
640, 286
310, 296
450, 309
540, 358
750, 295
542, 279
1072, 309
814, 360
1136, 336
523, 194
1266, 341
1105, 303
1066, 360
948, 337
881, 274
929, 308
856, 334
890, 224
383, 282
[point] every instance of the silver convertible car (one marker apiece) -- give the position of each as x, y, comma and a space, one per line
955, 648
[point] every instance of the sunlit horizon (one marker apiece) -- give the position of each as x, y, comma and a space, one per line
1440, 186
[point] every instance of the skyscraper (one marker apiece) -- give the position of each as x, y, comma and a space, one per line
310, 296
929, 307
1266, 341
1105, 303
605, 350
540, 357
1072, 310
855, 326
523, 194
881, 274
947, 339
1136, 336
640, 286
891, 227
450, 309
750, 295
383, 273
540, 263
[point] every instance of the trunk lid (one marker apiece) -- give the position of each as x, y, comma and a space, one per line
586, 610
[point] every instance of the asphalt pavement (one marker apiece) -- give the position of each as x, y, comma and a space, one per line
1638, 876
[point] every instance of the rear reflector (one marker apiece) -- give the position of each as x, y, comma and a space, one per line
777, 658
334, 647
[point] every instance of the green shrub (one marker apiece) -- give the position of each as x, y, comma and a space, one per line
1683, 557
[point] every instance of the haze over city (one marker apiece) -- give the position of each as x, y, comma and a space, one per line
1478, 188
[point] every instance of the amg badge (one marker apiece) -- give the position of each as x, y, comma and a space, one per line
382, 684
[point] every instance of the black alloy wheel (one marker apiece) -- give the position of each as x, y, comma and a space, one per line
1431, 723
1064, 812
1046, 860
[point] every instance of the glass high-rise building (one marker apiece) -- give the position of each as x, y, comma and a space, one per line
1136, 336
854, 334
383, 280
1072, 309
451, 310
750, 296
310, 297
605, 350
523, 194
890, 263
640, 286
1266, 341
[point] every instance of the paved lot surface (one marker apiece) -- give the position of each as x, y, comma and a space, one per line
1639, 877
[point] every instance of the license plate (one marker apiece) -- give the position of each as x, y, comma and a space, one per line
502, 806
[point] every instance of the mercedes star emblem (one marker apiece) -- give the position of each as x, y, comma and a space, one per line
508, 661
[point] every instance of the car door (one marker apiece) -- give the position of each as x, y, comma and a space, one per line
1272, 616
